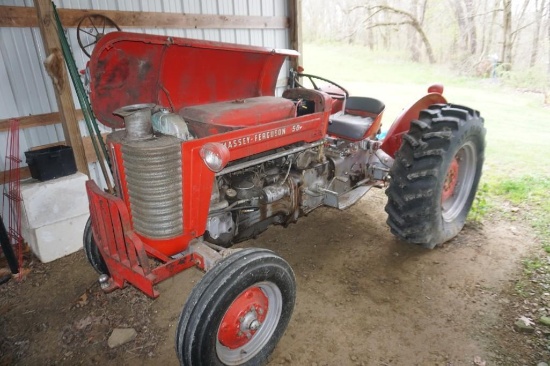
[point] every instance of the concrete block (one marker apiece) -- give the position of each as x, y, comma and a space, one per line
56, 240
45, 203
54, 214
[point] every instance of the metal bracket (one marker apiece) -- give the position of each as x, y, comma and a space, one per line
344, 200
205, 256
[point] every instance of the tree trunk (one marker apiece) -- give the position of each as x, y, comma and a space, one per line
522, 24
471, 26
413, 36
426, 42
370, 33
491, 28
483, 49
465, 17
506, 52
406, 19
547, 91
461, 21
386, 32
536, 33
548, 11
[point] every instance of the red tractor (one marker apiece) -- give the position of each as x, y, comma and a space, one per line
204, 155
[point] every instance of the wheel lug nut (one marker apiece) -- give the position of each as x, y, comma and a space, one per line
255, 324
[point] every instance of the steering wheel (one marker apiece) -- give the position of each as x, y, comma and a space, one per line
311, 80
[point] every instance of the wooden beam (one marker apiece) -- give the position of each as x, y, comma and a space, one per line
37, 120
295, 31
64, 97
24, 174
20, 16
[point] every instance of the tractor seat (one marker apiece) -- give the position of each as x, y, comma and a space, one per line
355, 122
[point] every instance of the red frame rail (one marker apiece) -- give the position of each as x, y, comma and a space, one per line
126, 256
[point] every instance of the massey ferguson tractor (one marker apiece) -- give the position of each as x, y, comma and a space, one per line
205, 155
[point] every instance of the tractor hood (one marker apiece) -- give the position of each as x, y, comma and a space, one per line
131, 68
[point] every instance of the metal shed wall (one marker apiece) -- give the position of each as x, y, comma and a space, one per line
26, 89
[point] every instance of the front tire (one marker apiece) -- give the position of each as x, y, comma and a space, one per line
91, 250
435, 175
238, 312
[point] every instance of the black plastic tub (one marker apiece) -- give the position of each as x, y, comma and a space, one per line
51, 162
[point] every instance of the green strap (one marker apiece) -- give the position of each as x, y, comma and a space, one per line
89, 117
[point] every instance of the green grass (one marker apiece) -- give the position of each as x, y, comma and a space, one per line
481, 206
528, 79
532, 195
525, 190
533, 265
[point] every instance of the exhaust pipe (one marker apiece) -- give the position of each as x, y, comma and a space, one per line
137, 118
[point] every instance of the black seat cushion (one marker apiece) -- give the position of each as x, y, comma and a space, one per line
354, 126
349, 126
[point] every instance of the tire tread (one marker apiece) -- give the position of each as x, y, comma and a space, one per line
416, 173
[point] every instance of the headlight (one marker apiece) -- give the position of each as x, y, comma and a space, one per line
215, 156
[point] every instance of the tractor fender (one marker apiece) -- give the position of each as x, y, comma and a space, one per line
402, 123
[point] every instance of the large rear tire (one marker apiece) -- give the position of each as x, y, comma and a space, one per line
238, 312
435, 175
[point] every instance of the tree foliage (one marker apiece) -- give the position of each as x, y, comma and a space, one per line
474, 35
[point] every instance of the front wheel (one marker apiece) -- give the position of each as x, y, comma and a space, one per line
238, 312
91, 251
435, 175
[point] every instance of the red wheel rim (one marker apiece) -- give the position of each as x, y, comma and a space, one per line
458, 183
243, 318
451, 180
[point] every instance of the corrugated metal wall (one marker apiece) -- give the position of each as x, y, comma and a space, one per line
26, 89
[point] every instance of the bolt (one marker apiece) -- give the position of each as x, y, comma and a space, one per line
241, 319
104, 281
261, 311
254, 325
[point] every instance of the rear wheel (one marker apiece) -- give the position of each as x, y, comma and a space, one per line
238, 311
92, 251
435, 175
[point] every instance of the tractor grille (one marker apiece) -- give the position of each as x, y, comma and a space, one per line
153, 175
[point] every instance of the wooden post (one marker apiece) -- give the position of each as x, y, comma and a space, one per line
295, 31
55, 65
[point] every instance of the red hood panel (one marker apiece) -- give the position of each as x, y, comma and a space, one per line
130, 68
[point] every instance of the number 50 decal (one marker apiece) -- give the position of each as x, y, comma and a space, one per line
296, 128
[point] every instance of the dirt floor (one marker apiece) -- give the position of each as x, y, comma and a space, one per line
363, 298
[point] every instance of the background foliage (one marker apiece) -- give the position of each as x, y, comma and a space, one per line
505, 38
